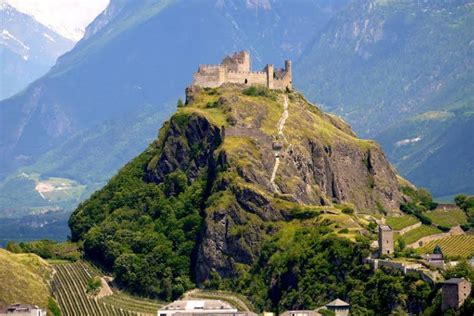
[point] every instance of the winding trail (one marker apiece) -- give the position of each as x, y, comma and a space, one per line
281, 136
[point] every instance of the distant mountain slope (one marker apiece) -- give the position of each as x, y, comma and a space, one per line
136, 59
28, 50
385, 66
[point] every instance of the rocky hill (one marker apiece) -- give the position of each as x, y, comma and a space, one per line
229, 169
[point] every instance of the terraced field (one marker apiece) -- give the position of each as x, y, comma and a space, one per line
419, 232
459, 245
127, 302
447, 218
401, 222
69, 289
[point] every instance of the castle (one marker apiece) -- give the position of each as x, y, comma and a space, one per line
386, 247
236, 68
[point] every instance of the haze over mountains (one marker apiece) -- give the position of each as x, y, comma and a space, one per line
27, 49
103, 102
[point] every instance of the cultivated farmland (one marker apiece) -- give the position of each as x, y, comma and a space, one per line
69, 289
459, 245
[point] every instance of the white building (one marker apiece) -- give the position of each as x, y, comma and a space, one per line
191, 307
22, 310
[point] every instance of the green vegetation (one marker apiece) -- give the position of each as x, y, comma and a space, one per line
24, 278
466, 203
453, 246
420, 202
53, 307
93, 285
419, 232
400, 222
47, 249
447, 218
260, 91
308, 267
149, 240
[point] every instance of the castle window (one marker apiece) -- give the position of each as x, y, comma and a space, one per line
246, 81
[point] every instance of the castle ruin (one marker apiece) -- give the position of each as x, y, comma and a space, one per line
237, 68
386, 247
454, 292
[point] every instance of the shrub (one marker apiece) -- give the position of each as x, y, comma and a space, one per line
348, 210
344, 231
53, 307
93, 285
443, 228
259, 91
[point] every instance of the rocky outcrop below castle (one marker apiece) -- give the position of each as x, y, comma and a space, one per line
234, 136
227, 171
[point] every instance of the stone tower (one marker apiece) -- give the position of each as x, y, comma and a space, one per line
385, 241
454, 293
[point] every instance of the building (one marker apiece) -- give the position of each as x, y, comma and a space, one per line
23, 310
454, 293
435, 259
339, 307
385, 241
237, 68
201, 308
301, 313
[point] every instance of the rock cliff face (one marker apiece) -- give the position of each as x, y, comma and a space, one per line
266, 153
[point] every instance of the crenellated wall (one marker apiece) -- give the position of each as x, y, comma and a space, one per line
236, 68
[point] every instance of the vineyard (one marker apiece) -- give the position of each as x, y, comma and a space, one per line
401, 222
69, 289
459, 245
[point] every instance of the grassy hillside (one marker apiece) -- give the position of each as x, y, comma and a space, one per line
401, 222
24, 278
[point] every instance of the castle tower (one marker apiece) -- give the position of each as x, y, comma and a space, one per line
246, 63
269, 71
289, 73
454, 293
385, 241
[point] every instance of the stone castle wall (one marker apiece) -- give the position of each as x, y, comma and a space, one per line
237, 69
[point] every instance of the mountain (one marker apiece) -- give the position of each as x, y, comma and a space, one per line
28, 50
106, 97
402, 72
230, 169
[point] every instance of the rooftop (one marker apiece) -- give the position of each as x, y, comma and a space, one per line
385, 228
338, 303
190, 305
454, 281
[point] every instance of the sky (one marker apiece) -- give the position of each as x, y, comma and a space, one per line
67, 17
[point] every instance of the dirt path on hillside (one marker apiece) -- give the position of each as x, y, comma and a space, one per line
280, 137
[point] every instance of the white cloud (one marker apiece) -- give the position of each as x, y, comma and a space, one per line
67, 17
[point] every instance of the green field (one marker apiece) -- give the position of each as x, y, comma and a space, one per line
401, 222
419, 232
459, 245
69, 289
447, 218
